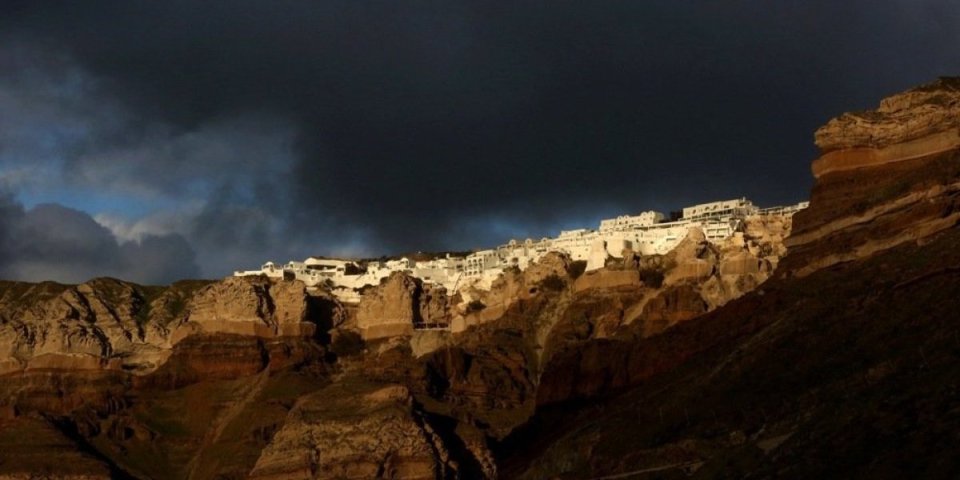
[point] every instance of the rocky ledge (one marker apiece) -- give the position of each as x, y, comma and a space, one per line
885, 177
108, 324
912, 124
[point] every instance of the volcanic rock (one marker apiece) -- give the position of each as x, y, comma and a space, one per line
885, 178
398, 305
253, 306
354, 431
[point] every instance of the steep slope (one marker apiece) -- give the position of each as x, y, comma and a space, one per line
152, 382
848, 372
842, 366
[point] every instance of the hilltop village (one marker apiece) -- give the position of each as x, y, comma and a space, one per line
648, 233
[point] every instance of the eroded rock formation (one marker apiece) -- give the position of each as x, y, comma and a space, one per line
794, 379
355, 431
400, 304
885, 177
916, 123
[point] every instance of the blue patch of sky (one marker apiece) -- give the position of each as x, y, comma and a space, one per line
95, 202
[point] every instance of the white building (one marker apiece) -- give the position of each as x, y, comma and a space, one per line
740, 207
268, 269
448, 271
784, 210
575, 243
646, 233
478, 262
626, 222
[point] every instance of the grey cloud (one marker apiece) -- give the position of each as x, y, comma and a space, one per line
158, 259
62, 119
221, 185
51, 241
60, 235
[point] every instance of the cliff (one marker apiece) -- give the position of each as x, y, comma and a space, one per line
804, 347
108, 324
139, 368
410, 383
399, 304
885, 177
831, 368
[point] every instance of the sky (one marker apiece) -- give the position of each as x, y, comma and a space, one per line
154, 141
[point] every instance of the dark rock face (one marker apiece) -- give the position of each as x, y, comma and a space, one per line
833, 369
843, 373
670, 307
361, 431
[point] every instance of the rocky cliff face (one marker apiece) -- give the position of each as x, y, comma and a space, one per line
107, 324
885, 177
826, 370
355, 430
411, 383
252, 306
101, 324
909, 122
400, 304
77, 359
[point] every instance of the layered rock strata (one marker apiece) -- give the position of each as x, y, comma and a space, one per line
885, 177
400, 304
354, 430
108, 324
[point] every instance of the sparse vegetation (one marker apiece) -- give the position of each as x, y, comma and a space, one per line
145, 297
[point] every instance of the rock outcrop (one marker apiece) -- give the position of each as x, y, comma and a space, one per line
400, 304
115, 325
101, 324
116, 363
355, 431
885, 177
916, 123
549, 273
252, 306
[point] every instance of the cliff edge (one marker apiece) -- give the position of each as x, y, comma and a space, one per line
885, 177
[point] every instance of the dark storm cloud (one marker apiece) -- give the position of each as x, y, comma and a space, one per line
458, 124
11, 214
51, 241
